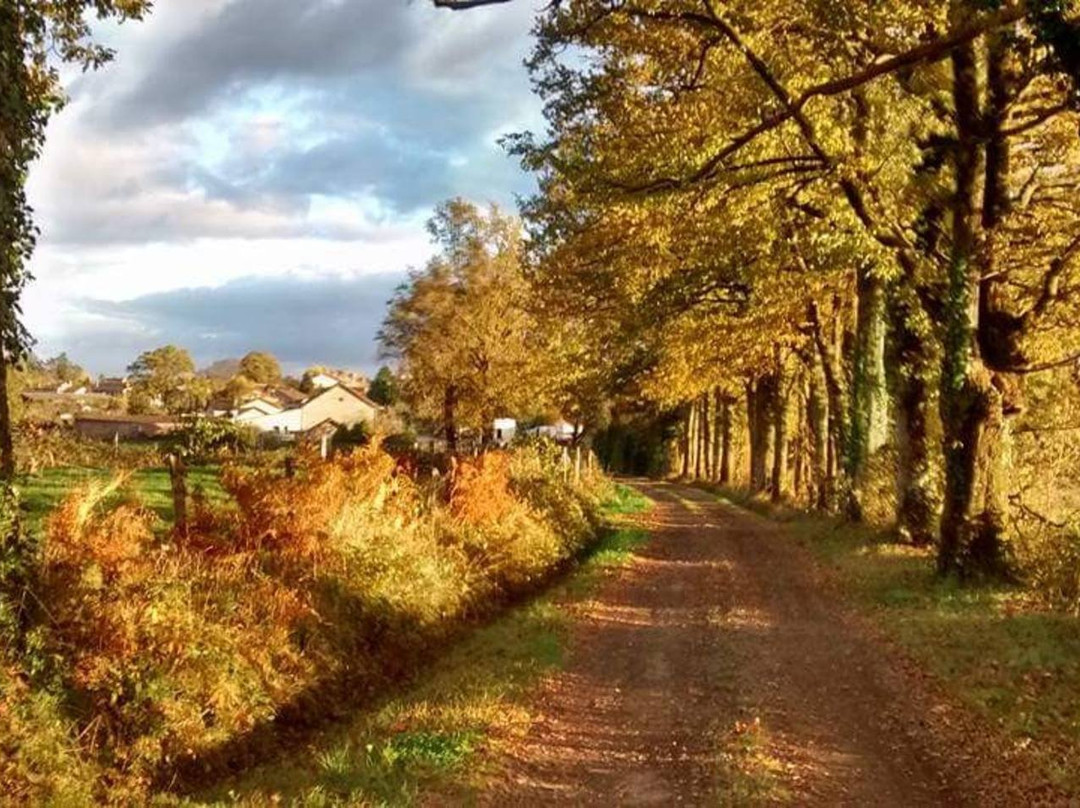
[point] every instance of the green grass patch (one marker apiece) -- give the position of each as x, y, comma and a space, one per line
626, 502
1013, 662
41, 493
443, 733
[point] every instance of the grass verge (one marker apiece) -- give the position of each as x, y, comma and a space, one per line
444, 731
992, 646
42, 492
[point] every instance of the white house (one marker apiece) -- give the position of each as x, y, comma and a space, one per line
504, 430
257, 407
338, 405
560, 431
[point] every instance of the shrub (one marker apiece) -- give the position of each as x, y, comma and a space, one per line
1047, 557
205, 439
350, 437
45, 447
164, 649
162, 652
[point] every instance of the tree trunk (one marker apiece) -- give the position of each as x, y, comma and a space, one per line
910, 361
829, 357
725, 441
779, 428
972, 401
7, 444
817, 418
684, 460
450, 401
761, 394
799, 448
691, 441
754, 436
706, 438
717, 426
869, 397
178, 483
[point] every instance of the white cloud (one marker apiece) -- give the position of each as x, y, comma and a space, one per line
268, 139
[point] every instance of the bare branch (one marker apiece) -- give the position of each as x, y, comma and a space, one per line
465, 5
1052, 281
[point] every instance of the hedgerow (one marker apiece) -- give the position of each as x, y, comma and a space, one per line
149, 654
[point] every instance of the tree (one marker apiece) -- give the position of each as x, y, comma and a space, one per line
261, 367
163, 375
34, 36
307, 381
64, 370
865, 133
466, 343
222, 369
384, 388
238, 389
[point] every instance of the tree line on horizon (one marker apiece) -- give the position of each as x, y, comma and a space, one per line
166, 378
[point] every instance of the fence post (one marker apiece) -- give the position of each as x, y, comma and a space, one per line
178, 482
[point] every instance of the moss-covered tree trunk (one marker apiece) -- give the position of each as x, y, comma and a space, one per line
869, 394
817, 420
911, 376
973, 400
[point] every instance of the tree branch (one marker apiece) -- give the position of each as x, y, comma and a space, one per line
792, 107
465, 5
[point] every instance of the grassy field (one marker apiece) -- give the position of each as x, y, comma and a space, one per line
992, 647
43, 492
440, 734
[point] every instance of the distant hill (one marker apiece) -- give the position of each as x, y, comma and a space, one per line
221, 369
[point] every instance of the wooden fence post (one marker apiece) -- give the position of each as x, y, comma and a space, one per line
178, 481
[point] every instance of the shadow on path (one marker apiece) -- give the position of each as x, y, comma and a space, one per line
714, 669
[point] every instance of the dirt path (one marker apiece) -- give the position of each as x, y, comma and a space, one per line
716, 670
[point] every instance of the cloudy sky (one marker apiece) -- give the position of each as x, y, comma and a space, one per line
255, 174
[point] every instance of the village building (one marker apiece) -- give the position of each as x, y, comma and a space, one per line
337, 405
112, 386
504, 430
113, 427
561, 431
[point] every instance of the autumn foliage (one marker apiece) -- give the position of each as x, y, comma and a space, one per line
159, 650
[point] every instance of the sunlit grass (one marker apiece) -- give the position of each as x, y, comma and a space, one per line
627, 501
1016, 664
42, 492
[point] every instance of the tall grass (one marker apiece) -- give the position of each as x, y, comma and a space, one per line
153, 654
